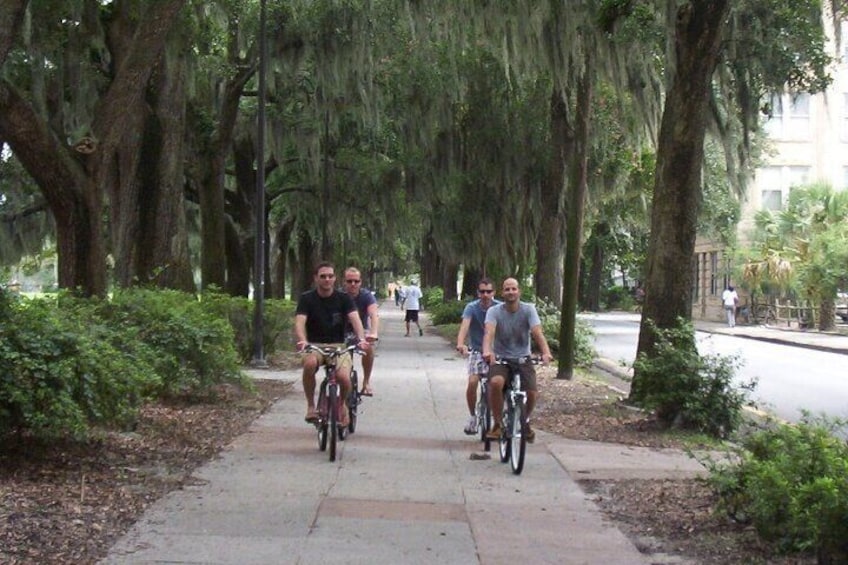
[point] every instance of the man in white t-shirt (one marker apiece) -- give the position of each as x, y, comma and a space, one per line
412, 303
730, 299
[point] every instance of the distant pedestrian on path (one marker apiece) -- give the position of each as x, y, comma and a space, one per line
412, 303
472, 327
730, 300
509, 327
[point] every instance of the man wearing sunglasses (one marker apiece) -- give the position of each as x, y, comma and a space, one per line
320, 318
366, 305
472, 327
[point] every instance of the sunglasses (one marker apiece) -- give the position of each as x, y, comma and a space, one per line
352, 281
326, 276
485, 291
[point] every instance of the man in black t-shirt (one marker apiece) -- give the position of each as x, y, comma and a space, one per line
320, 318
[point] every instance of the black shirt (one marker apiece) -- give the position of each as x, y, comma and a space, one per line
325, 317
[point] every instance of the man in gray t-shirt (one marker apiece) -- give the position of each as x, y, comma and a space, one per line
509, 327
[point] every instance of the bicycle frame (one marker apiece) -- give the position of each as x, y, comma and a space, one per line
330, 405
513, 442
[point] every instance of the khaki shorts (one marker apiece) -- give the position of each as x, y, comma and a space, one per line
345, 361
527, 371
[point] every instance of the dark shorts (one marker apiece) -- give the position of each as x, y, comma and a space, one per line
528, 374
411, 316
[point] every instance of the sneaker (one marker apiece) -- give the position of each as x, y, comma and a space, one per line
494, 433
471, 426
420, 332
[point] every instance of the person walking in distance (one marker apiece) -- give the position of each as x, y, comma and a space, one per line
509, 327
320, 318
730, 299
472, 328
366, 306
412, 303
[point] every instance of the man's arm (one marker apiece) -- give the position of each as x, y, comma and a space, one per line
358, 329
488, 341
460, 337
541, 343
300, 330
374, 319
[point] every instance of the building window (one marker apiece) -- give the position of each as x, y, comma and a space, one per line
789, 117
776, 182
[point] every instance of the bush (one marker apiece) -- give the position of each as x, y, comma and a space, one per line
278, 320
431, 297
687, 390
791, 484
584, 349
62, 371
195, 348
447, 313
618, 298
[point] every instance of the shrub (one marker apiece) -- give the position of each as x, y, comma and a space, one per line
791, 484
194, 347
432, 296
62, 371
618, 298
277, 321
584, 349
687, 390
447, 312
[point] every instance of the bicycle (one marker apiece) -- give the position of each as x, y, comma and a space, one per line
513, 441
482, 411
354, 399
330, 406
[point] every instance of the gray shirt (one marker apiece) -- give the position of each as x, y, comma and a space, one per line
512, 329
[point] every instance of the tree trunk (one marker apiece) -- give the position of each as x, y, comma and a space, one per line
11, 17
450, 274
578, 164
549, 241
596, 270
75, 188
677, 188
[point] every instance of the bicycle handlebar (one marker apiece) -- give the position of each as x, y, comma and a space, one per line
532, 360
331, 351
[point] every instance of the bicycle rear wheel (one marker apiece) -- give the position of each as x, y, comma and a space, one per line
333, 398
353, 400
484, 419
517, 439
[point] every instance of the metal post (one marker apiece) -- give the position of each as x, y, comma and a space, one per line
259, 252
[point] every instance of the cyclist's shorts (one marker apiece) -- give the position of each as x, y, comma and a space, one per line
527, 370
476, 364
345, 361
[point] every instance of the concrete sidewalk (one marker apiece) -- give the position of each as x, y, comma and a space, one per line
403, 490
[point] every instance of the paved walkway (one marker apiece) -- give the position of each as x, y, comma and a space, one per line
405, 488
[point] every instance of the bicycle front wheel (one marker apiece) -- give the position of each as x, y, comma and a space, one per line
517, 439
504, 444
333, 398
322, 423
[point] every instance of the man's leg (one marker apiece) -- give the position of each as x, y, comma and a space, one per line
496, 384
343, 378
367, 367
471, 394
310, 368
